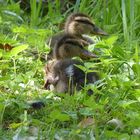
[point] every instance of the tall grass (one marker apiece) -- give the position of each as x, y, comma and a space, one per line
132, 19
116, 17
124, 21
35, 12
116, 95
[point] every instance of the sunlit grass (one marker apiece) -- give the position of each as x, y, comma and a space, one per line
117, 93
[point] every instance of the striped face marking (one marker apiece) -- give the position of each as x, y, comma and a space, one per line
84, 20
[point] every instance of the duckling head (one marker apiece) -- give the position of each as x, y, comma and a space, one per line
78, 24
69, 47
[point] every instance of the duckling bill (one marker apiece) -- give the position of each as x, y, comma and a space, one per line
65, 76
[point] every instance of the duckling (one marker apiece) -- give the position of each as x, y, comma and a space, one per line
65, 76
76, 25
69, 47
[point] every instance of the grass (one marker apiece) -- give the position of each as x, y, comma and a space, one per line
111, 113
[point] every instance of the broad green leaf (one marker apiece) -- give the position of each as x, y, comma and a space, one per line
57, 115
102, 45
127, 103
89, 65
124, 136
135, 137
111, 134
4, 78
16, 50
73, 115
81, 67
86, 111
91, 103
111, 40
15, 125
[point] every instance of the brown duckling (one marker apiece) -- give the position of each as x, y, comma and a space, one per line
76, 25
69, 46
65, 76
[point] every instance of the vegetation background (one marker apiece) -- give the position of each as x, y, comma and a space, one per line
113, 112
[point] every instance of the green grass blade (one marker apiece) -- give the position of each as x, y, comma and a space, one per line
77, 4
124, 20
132, 34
